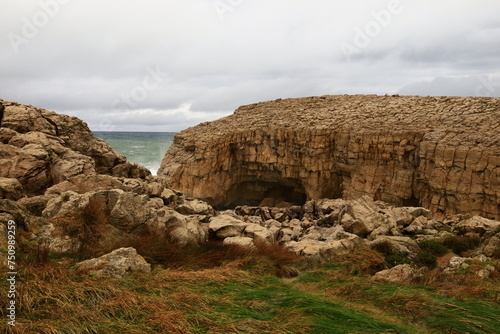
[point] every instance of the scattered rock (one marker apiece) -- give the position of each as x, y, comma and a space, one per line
403, 273
115, 264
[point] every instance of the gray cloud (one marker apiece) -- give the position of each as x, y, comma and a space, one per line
92, 58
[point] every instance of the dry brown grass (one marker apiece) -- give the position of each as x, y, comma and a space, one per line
362, 260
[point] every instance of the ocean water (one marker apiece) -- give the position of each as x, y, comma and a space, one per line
144, 148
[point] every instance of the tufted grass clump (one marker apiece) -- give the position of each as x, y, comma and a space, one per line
392, 256
460, 244
434, 247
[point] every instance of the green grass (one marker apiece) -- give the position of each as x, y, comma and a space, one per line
242, 295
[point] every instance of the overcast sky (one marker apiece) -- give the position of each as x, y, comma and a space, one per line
164, 65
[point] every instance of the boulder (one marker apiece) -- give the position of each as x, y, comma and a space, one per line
224, 226
10, 189
189, 232
328, 207
405, 245
195, 206
485, 272
320, 250
115, 264
401, 216
362, 217
418, 225
403, 273
258, 233
477, 225
491, 247
244, 242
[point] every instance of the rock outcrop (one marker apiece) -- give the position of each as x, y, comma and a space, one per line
68, 189
41, 148
442, 153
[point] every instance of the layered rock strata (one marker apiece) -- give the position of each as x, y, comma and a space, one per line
442, 153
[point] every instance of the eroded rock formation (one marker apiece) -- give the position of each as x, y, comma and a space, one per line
40, 148
442, 153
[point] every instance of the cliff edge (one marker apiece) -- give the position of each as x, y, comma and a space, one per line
442, 153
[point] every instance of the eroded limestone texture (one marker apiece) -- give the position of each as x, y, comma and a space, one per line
442, 153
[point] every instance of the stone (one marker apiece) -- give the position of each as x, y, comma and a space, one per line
362, 217
491, 247
225, 226
244, 242
485, 272
189, 232
321, 250
403, 273
259, 233
10, 188
86, 183
115, 264
477, 225
287, 234
457, 262
405, 245
190, 207
439, 153
35, 205
417, 226
401, 216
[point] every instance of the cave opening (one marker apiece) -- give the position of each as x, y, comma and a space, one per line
264, 193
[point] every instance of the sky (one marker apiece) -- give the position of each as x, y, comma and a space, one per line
165, 65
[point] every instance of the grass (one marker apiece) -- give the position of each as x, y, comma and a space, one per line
460, 244
239, 291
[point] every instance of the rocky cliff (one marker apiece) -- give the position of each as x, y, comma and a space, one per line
442, 153
40, 148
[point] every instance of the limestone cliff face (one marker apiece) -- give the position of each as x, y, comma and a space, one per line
442, 153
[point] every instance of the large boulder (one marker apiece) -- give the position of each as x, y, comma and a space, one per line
476, 224
403, 273
115, 264
405, 245
10, 188
362, 217
224, 226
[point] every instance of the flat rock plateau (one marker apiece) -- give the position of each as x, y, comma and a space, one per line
442, 153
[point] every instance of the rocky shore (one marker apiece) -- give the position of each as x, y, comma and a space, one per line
67, 189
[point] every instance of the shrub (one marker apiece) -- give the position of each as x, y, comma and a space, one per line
459, 244
396, 258
426, 258
392, 256
434, 247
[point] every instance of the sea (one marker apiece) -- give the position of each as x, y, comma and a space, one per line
144, 148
